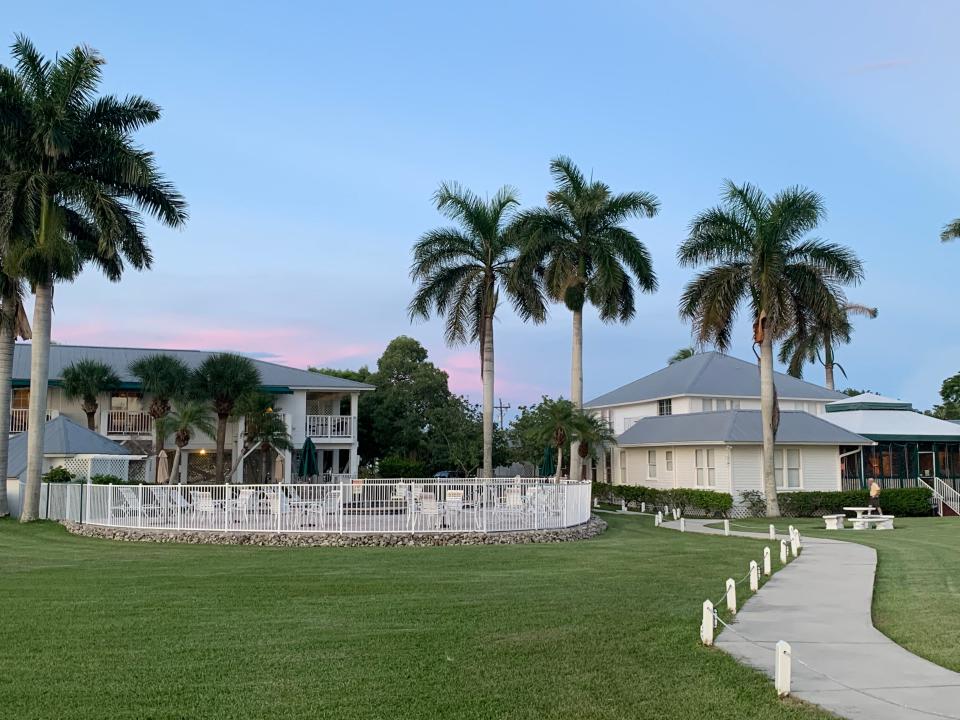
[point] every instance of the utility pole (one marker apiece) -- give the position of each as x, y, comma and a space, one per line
501, 407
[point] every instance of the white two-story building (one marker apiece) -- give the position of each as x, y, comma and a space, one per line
321, 407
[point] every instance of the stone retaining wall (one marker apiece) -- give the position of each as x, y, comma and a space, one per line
590, 529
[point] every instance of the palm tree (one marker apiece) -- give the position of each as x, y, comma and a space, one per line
263, 430
759, 254
191, 416
224, 379
460, 272
681, 354
13, 324
951, 231
579, 247
85, 380
79, 185
557, 425
163, 377
807, 341
592, 433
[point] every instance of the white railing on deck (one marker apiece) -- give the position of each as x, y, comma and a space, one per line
946, 494
352, 506
124, 422
19, 420
330, 426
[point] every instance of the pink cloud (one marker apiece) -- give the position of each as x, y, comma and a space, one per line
464, 371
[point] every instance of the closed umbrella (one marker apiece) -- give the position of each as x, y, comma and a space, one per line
278, 468
308, 460
163, 470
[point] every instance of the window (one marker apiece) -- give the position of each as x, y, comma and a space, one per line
706, 404
665, 407
623, 466
21, 399
706, 468
669, 456
651, 464
787, 460
126, 401
721, 404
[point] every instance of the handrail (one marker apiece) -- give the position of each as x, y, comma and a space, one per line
948, 495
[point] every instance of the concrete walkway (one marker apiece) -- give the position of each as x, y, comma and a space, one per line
820, 604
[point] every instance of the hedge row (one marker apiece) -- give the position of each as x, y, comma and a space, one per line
905, 502
709, 502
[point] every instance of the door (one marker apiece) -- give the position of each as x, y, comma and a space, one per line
925, 461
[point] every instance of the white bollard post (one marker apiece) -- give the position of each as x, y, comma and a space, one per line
596, 502
783, 552
773, 532
790, 531
623, 505
782, 669
643, 507
766, 562
683, 527
657, 519
794, 546
731, 596
706, 624
799, 542
726, 528
754, 576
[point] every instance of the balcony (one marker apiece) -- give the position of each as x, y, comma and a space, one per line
124, 422
331, 427
19, 420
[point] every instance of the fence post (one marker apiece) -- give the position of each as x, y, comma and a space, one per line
726, 528
794, 545
799, 542
706, 624
754, 576
731, 596
683, 527
46, 515
782, 672
790, 531
657, 519
773, 532
110, 504
279, 506
623, 505
783, 552
139, 506
643, 506
766, 561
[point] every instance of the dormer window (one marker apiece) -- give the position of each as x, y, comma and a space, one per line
665, 407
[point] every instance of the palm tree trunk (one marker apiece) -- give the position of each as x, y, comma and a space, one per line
221, 444
487, 372
91, 420
8, 318
576, 385
175, 467
767, 401
828, 361
828, 371
37, 414
556, 476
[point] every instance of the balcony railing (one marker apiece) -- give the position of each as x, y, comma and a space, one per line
330, 426
124, 422
19, 420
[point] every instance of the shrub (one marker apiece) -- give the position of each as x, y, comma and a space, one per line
109, 480
59, 475
754, 502
397, 467
905, 502
709, 502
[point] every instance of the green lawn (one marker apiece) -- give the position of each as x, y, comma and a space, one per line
917, 591
601, 629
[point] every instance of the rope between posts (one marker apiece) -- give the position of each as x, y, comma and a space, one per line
894, 703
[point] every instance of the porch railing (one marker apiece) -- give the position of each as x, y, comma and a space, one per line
19, 420
124, 422
330, 426
358, 507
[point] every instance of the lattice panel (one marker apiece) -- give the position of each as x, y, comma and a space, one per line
117, 466
137, 470
77, 465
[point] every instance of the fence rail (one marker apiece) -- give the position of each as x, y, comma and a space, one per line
350, 506
123, 422
330, 426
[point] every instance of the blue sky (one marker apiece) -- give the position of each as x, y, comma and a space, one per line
308, 139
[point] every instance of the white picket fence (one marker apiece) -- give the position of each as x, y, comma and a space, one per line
351, 506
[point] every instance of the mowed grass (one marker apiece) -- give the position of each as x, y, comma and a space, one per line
917, 590
606, 628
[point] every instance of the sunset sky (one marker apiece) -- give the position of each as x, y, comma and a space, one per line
308, 139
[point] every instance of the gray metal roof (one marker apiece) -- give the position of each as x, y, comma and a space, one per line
736, 426
710, 374
61, 436
120, 360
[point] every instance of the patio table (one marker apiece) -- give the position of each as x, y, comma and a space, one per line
861, 511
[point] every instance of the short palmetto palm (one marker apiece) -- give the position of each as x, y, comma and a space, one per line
163, 377
460, 272
85, 380
190, 417
580, 249
759, 255
77, 185
815, 340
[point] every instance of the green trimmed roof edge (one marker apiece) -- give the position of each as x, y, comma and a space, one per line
912, 438
269, 389
844, 407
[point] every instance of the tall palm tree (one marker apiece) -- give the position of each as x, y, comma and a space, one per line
80, 185
190, 417
759, 254
163, 377
460, 272
806, 342
580, 248
85, 380
681, 354
224, 379
951, 231
13, 324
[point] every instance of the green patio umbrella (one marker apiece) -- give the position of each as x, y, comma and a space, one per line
549, 465
308, 459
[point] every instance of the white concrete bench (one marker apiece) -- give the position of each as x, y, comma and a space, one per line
880, 522
834, 522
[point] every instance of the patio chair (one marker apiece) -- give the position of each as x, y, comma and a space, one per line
325, 509
243, 504
453, 508
203, 505
429, 509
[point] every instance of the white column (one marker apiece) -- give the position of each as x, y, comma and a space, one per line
354, 456
241, 428
287, 466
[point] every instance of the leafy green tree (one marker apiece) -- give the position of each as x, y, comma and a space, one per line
759, 254
681, 354
163, 377
461, 271
368, 447
951, 231
84, 380
77, 185
190, 417
816, 338
949, 407
580, 249
224, 379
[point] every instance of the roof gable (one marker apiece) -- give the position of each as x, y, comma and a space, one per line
868, 401
710, 374
61, 436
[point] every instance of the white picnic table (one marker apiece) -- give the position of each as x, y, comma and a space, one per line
861, 511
